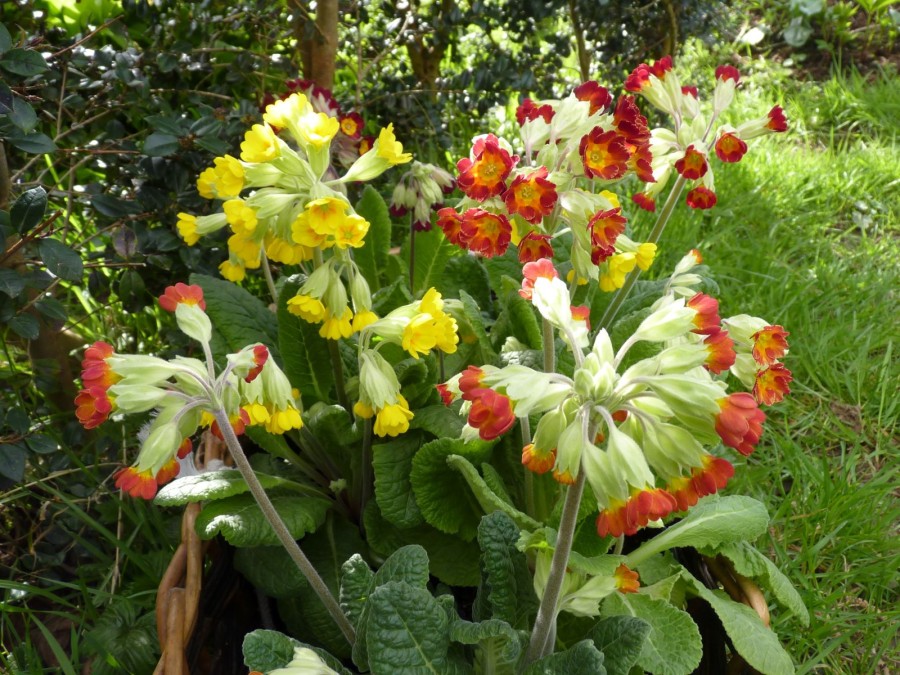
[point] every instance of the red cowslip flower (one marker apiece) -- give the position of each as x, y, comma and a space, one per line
185, 448
739, 422
639, 78
690, 91
95, 371
93, 406
707, 319
693, 165
528, 111
365, 144
532, 271
769, 344
772, 384
534, 246
591, 91
630, 123
446, 395
239, 423
701, 197
397, 211
189, 295
169, 471
604, 154
730, 148
626, 579
136, 483
604, 228
630, 516
469, 381
641, 162
698, 257
777, 121
531, 195
486, 233
451, 223
535, 461
726, 73
704, 480
260, 356
582, 313
352, 125
485, 176
644, 201
721, 352
491, 413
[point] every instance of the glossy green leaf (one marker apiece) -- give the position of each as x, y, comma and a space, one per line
6, 42
12, 461
33, 143
60, 260
357, 581
439, 420
24, 62
23, 115
25, 325
11, 282
28, 210
159, 144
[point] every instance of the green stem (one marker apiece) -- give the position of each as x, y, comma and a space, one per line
412, 254
655, 234
270, 282
365, 491
549, 345
284, 535
525, 426
544, 624
337, 367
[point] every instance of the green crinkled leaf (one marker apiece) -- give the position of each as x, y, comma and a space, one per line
522, 320
357, 581
673, 645
474, 323
498, 642
443, 496
433, 251
580, 659
371, 257
489, 501
240, 317
304, 352
271, 570
495, 482
750, 562
506, 265
28, 210
713, 522
439, 420
621, 639
751, 638
506, 582
274, 444
209, 487
467, 273
266, 650
408, 631
392, 463
24, 62
60, 260
239, 520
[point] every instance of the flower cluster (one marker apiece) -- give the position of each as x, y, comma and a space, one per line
421, 190
637, 431
685, 149
184, 394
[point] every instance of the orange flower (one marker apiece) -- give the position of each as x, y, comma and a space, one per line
769, 344
93, 407
604, 154
641, 162
701, 197
532, 196
93, 404
451, 223
470, 382
583, 313
705, 480
239, 422
591, 91
626, 579
707, 319
535, 246
628, 517
535, 461
491, 413
739, 422
486, 233
605, 227
772, 384
644, 201
730, 148
693, 165
447, 396
485, 175
640, 76
136, 483
721, 352
181, 293
168, 472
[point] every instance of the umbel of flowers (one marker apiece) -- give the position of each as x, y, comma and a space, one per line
642, 434
283, 201
183, 393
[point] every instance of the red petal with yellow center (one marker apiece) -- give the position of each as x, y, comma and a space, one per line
351, 125
604, 154
769, 344
446, 395
485, 176
469, 381
260, 356
693, 165
535, 461
726, 73
606, 226
491, 413
92, 407
644, 201
721, 352
136, 483
701, 197
168, 472
640, 163
534, 246
626, 579
451, 223
486, 233
739, 422
365, 144
95, 370
628, 517
704, 480
772, 384
531, 196
629, 122
777, 121
591, 91
707, 319
730, 148
639, 78
173, 295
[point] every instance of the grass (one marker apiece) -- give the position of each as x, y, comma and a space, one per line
805, 234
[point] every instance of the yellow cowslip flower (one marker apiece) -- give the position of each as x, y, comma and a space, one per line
246, 250
393, 420
351, 231
286, 252
205, 182
446, 330
228, 177
285, 419
284, 112
645, 255
241, 217
571, 275
337, 327
260, 144
363, 319
431, 302
307, 308
232, 271
303, 233
611, 197
388, 147
257, 413
187, 228
618, 267
317, 129
419, 335
326, 214
363, 410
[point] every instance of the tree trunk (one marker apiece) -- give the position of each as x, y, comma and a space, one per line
318, 42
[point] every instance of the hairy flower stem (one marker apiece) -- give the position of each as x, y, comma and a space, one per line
655, 234
281, 530
549, 345
525, 425
545, 623
334, 352
412, 254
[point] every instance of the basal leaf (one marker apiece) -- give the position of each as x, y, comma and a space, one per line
489, 501
209, 487
271, 570
466, 272
372, 256
506, 584
432, 252
498, 642
621, 639
392, 463
673, 645
505, 265
443, 495
266, 650
581, 659
305, 353
357, 581
60, 260
525, 325
439, 420
239, 520
28, 210
472, 322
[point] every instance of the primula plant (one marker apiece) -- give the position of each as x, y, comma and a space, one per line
504, 454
